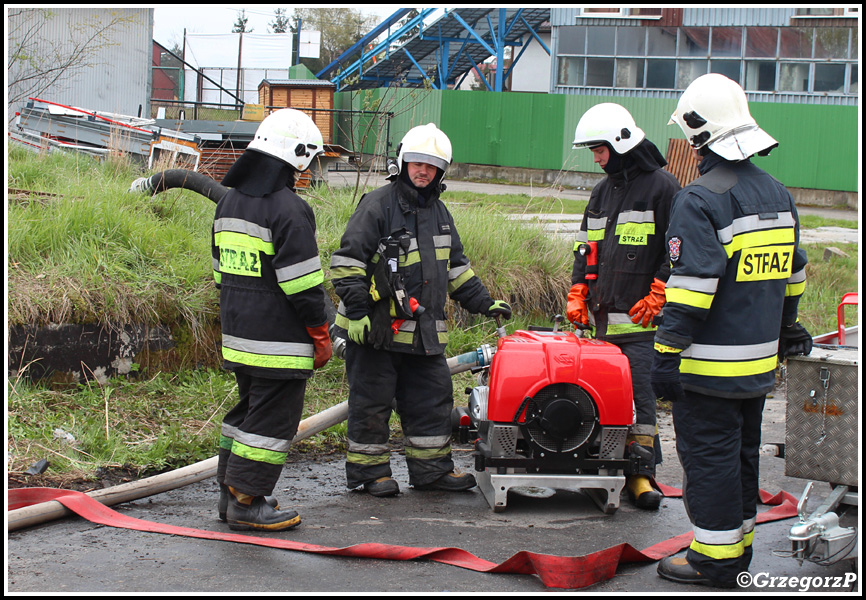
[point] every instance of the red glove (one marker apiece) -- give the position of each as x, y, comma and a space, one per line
322, 344
576, 310
649, 306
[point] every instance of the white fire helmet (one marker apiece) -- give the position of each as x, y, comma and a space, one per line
289, 135
611, 123
714, 112
425, 144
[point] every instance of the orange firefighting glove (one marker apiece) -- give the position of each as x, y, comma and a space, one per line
576, 310
649, 306
321, 344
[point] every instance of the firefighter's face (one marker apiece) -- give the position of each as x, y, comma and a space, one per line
421, 174
601, 155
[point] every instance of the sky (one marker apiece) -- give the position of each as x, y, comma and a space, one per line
170, 20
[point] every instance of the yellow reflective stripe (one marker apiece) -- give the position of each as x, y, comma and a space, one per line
688, 297
258, 454
623, 328
226, 442
230, 238
634, 234
742, 368
302, 283
595, 235
748, 538
340, 272
666, 349
427, 453
795, 289
443, 337
718, 552
217, 277
367, 459
455, 283
759, 238
268, 361
443, 253
404, 337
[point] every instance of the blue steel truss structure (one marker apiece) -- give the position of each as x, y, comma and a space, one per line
437, 47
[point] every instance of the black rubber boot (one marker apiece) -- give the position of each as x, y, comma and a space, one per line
223, 505
450, 482
258, 515
384, 486
680, 570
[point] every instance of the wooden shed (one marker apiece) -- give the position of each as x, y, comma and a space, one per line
313, 96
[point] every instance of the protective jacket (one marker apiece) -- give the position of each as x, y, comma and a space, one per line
266, 265
736, 278
431, 266
626, 217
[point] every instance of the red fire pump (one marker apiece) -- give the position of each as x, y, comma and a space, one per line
552, 410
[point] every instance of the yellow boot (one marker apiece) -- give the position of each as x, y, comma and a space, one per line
642, 494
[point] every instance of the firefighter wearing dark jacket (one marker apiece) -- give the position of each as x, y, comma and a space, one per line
621, 265
399, 260
736, 278
272, 309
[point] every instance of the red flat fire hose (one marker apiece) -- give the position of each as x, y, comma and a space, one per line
568, 572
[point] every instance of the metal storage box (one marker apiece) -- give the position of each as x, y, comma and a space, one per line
821, 418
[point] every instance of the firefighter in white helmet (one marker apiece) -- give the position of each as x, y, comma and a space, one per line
399, 260
272, 311
737, 273
621, 267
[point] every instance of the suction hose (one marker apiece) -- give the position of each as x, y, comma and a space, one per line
180, 178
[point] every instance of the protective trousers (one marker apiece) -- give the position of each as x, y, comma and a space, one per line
257, 433
644, 431
718, 442
421, 386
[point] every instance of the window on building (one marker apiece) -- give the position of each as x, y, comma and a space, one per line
794, 77
629, 72
831, 42
688, 71
661, 41
796, 42
601, 41
726, 41
815, 12
760, 76
728, 68
570, 71
601, 12
694, 41
572, 40
829, 78
599, 72
761, 42
631, 41
661, 74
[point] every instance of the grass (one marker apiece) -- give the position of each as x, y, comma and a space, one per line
82, 249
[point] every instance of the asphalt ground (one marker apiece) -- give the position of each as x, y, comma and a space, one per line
72, 555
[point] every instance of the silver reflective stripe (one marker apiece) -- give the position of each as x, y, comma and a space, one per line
216, 264
440, 241
345, 261
718, 538
619, 319
694, 284
368, 448
597, 223
428, 441
726, 235
798, 277
407, 326
749, 525
636, 216
311, 265
642, 429
267, 348
458, 271
756, 223
241, 226
256, 441
582, 237
738, 353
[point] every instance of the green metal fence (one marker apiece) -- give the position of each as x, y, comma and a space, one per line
818, 145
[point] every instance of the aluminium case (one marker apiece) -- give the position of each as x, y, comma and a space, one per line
821, 431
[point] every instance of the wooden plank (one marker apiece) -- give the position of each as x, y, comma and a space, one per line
682, 162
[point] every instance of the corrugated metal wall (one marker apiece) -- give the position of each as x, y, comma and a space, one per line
818, 145
117, 77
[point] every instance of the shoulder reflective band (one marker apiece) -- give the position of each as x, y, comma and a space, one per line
568, 572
